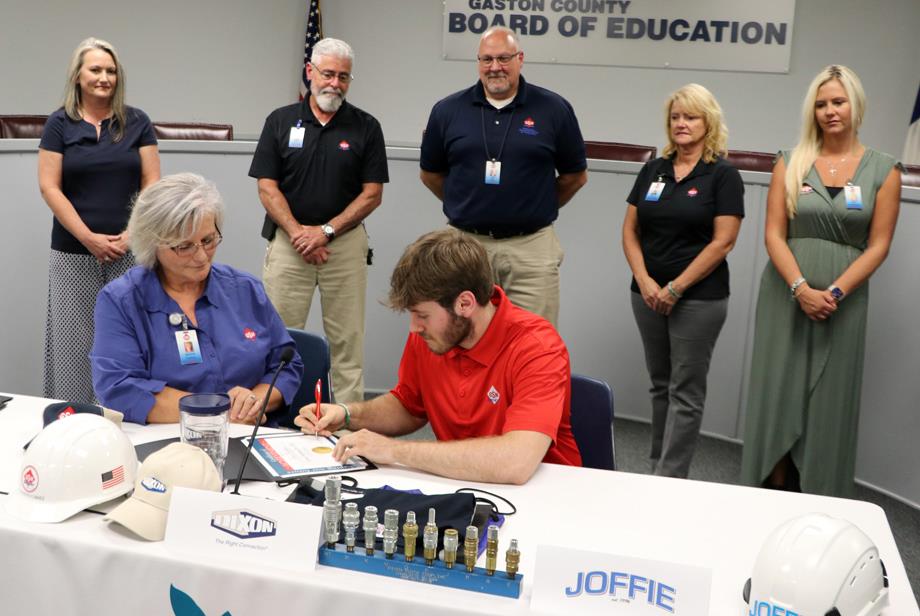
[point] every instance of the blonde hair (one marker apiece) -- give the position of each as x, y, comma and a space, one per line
73, 95
811, 139
696, 99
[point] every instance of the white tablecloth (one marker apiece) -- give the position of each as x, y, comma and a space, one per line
85, 566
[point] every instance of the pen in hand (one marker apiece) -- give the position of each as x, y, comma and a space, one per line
319, 398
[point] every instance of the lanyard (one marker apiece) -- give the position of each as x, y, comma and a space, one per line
485, 142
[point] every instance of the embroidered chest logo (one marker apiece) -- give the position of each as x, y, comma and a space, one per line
528, 127
343, 145
249, 334
493, 395
692, 192
806, 189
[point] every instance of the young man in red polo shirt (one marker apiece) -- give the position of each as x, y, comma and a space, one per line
491, 378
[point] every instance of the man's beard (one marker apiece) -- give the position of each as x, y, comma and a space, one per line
329, 99
458, 329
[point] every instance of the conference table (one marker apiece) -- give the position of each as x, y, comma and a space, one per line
86, 566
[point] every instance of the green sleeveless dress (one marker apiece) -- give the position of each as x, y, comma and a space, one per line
806, 376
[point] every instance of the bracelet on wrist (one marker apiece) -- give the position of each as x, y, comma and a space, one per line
796, 284
673, 291
347, 415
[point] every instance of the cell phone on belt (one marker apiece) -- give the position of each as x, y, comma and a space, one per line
4, 400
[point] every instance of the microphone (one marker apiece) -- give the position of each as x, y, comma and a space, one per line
287, 354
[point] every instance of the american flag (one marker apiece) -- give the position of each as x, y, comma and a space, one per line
314, 34
113, 477
912, 142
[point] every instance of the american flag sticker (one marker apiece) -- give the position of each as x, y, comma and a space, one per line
113, 477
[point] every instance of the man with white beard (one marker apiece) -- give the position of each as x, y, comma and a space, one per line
321, 165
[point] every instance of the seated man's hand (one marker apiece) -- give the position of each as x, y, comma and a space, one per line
373, 446
332, 417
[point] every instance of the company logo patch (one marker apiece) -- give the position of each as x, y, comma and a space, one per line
692, 192
343, 145
806, 189
249, 334
29, 479
528, 127
68, 411
768, 609
243, 524
152, 484
494, 396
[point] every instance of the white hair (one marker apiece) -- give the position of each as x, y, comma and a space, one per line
169, 211
333, 48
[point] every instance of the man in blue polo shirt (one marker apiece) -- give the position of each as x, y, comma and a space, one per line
503, 156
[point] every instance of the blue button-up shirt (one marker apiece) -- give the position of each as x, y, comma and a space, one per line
135, 355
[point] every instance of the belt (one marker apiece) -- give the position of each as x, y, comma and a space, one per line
500, 233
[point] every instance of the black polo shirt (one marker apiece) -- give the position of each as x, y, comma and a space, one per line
543, 137
321, 178
677, 227
98, 176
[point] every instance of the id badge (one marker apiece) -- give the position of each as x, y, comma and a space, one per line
296, 138
854, 197
189, 351
493, 172
654, 191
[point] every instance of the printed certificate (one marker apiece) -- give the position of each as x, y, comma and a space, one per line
292, 455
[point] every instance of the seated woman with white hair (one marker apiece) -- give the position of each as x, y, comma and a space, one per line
178, 323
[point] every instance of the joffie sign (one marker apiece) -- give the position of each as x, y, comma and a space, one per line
730, 35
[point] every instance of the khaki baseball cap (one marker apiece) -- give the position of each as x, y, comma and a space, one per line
176, 465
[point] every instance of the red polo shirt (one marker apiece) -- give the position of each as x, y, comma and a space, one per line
517, 377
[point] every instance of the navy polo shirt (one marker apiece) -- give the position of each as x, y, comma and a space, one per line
99, 177
542, 138
329, 171
677, 227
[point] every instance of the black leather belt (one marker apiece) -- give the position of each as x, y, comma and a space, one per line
499, 233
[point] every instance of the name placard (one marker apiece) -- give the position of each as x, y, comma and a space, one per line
568, 581
255, 530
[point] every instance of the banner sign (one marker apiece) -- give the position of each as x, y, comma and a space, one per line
727, 35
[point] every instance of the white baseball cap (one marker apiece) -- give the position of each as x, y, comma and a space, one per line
75, 462
176, 465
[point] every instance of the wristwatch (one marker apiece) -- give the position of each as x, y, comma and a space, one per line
836, 292
328, 231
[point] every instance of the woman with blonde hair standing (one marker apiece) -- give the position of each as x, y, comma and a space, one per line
831, 213
95, 154
682, 219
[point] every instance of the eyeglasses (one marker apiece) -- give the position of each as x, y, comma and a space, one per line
330, 75
503, 60
209, 244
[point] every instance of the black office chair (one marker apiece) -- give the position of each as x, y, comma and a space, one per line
314, 352
592, 422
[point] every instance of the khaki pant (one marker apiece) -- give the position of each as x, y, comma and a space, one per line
342, 281
527, 268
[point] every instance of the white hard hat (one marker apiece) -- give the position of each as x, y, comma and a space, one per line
76, 462
176, 465
816, 565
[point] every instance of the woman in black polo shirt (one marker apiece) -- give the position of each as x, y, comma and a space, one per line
682, 219
95, 154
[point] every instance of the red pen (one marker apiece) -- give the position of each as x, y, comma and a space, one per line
319, 398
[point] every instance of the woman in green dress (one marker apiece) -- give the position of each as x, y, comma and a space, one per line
831, 213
